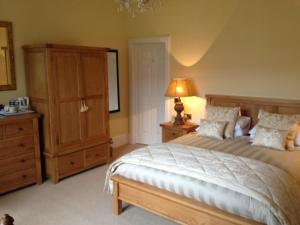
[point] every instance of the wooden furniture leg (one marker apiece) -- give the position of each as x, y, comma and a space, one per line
117, 203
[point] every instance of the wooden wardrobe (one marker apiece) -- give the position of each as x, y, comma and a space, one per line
68, 86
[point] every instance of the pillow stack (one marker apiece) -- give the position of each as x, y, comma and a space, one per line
220, 122
276, 131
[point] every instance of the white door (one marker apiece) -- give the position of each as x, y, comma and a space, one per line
149, 78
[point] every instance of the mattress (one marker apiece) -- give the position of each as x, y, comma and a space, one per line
212, 194
288, 161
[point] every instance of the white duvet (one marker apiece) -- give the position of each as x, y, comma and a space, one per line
263, 182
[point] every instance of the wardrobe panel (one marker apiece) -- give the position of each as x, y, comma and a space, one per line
94, 69
95, 118
66, 70
70, 123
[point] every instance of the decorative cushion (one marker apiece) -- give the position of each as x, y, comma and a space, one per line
280, 122
228, 114
211, 128
277, 121
271, 138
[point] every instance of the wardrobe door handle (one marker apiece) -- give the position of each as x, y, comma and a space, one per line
86, 108
83, 106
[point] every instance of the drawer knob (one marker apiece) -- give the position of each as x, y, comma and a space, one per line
173, 134
97, 155
20, 128
23, 160
72, 163
22, 145
24, 176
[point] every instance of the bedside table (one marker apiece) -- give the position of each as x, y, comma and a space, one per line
171, 131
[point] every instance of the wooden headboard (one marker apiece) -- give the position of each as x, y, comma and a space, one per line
250, 105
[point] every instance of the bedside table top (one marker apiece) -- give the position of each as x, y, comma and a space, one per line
187, 126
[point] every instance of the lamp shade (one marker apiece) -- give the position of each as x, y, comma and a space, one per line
180, 88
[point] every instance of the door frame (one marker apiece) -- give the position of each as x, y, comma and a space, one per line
133, 122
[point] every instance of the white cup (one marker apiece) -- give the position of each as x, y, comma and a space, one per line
10, 109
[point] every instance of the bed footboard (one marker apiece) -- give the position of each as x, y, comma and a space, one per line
169, 205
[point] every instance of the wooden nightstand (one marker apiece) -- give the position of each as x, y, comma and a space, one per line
171, 131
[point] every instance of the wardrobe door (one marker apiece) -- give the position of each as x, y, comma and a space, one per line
66, 74
94, 85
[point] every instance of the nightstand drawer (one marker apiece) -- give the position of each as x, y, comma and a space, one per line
172, 134
171, 131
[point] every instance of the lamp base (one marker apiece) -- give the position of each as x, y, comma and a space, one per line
178, 108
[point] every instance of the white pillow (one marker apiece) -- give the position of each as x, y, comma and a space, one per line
252, 132
243, 122
297, 139
238, 132
242, 126
211, 128
271, 138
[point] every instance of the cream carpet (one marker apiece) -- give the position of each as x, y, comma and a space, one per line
78, 200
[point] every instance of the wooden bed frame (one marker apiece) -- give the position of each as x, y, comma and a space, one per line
184, 210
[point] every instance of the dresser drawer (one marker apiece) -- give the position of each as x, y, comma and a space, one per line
18, 163
71, 163
171, 134
96, 155
18, 129
16, 180
1, 132
16, 146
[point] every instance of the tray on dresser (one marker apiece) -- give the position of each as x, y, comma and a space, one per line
3, 113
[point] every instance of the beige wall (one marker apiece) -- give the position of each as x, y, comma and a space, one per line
233, 47
78, 22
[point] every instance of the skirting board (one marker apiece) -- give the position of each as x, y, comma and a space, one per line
120, 140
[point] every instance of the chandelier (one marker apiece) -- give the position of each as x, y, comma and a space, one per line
137, 6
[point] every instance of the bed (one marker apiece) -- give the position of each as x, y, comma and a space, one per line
183, 209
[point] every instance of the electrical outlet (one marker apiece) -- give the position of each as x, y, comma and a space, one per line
188, 116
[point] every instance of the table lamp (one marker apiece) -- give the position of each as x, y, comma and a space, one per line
179, 87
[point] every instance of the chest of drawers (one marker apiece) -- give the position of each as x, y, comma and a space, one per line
19, 152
